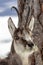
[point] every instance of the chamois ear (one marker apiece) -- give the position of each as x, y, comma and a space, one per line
11, 26
31, 25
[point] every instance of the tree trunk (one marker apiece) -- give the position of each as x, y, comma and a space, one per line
37, 13
38, 24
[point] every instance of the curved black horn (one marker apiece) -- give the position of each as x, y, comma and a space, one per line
13, 7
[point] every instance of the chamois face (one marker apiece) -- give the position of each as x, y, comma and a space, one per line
24, 49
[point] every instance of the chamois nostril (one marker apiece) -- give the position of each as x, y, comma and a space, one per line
31, 44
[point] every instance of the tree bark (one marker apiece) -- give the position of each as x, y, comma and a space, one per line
38, 24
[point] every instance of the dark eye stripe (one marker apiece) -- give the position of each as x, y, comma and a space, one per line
29, 43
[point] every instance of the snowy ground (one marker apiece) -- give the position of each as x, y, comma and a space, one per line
5, 37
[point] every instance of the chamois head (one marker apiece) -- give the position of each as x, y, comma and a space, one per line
22, 41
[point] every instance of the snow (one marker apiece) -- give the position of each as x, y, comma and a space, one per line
5, 37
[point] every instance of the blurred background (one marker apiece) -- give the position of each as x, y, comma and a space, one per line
5, 37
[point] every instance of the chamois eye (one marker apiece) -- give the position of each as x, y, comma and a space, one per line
17, 38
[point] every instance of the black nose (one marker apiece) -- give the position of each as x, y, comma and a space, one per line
30, 44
